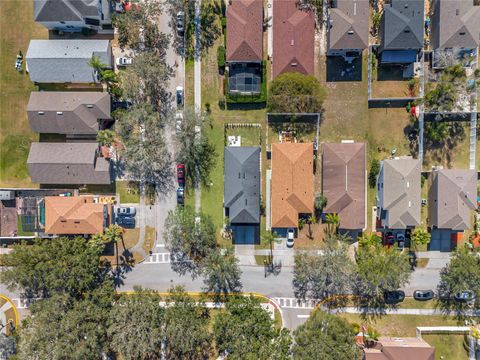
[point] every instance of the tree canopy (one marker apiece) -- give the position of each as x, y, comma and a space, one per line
324, 334
246, 331
56, 266
221, 273
293, 92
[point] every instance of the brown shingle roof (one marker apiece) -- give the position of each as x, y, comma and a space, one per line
293, 38
245, 30
292, 183
73, 215
344, 183
400, 349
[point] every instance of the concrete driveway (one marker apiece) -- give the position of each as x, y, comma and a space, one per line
428, 277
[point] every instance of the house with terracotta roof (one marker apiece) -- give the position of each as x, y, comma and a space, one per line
74, 215
347, 30
291, 185
387, 348
293, 38
344, 184
245, 46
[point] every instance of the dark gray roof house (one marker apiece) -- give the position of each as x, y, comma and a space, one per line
452, 198
402, 30
69, 112
65, 61
398, 193
242, 184
455, 24
68, 163
347, 27
73, 15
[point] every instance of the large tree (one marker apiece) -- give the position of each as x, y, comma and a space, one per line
379, 269
59, 265
221, 273
325, 336
246, 331
187, 334
8, 346
462, 273
293, 92
190, 238
62, 327
146, 155
197, 154
324, 274
136, 325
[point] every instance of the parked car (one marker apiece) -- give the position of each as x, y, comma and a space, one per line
178, 122
128, 211
423, 295
121, 104
464, 296
180, 22
179, 95
126, 222
124, 61
180, 196
181, 175
389, 238
394, 297
290, 237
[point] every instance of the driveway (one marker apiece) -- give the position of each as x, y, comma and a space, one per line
428, 277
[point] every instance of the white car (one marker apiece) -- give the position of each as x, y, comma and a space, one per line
124, 61
290, 237
178, 122
128, 211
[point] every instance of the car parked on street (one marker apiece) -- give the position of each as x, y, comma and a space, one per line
180, 23
290, 237
181, 175
179, 92
464, 296
124, 61
126, 211
178, 122
394, 297
180, 196
423, 295
126, 222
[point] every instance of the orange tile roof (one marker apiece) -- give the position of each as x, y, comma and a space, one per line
292, 183
73, 215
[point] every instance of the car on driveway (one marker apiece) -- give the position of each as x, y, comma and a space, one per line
126, 211
179, 92
290, 237
464, 296
180, 22
124, 61
126, 222
180, 196
394, 297
423, 295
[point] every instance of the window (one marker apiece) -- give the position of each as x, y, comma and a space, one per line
59, 112
41, 113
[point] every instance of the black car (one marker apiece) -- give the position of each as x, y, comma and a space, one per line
423, 295
464, 296
126, 222
394, 297
124, 105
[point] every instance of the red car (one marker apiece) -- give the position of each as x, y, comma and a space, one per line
181, 175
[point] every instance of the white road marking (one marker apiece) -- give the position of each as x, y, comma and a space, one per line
292, 303
303, 316
158, 258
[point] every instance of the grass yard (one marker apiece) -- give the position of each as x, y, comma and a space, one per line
16, 28
128, 192
402, 325
249, 136
451, 347
388, 82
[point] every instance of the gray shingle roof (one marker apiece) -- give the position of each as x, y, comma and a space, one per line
67, 163
242, 184
54, 61
65, 10
400, 187
348, 25
455, 24
67, 112
403, 24
452, 197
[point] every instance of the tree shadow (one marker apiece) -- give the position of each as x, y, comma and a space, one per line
124, 264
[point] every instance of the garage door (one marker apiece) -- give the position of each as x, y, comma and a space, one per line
441, 240
244, 234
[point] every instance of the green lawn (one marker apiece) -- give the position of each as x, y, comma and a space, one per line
16, 29
128, 192
451, 347
249, 136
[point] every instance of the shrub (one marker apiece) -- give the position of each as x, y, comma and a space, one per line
221, 57
374, 170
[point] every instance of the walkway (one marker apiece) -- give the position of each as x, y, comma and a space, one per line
198, 84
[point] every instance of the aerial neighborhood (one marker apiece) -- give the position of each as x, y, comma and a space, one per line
240, 179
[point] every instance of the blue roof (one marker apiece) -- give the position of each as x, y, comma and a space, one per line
399, 56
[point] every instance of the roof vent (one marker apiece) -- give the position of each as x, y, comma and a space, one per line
294, 64
457, 12
292, 42
41, 113
350, 32
59, 112
90, 106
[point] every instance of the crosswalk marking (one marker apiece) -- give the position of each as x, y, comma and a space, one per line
293, 303
158, 258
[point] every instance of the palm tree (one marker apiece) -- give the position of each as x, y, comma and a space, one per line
333, 220
113, 233
97, 64
270, 238
369, 239
311, 220
106, 137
